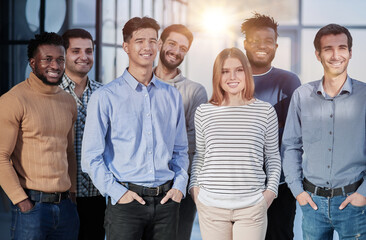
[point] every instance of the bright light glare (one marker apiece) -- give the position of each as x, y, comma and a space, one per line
214, 20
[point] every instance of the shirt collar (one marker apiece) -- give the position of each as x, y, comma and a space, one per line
176, 79
347, 88
133, 83
67, 82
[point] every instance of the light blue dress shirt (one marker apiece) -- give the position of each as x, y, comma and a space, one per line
137, 134
331, 132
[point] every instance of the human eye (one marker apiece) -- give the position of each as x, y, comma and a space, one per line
60, 60
184, 50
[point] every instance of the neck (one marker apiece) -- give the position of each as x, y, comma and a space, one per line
164, 73
235, 100
142, 74
333, 84
260, 70
79, 80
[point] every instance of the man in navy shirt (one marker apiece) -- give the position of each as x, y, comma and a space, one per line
275, 86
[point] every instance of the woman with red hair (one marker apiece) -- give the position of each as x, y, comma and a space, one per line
237, 166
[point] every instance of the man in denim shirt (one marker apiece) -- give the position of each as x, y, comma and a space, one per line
324, 144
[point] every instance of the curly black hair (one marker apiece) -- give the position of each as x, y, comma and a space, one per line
258, 21
45, 38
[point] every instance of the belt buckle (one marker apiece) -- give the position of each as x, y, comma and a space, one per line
157, 191
59, 198
331, 192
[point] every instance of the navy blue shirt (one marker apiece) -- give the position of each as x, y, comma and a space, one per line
276, 87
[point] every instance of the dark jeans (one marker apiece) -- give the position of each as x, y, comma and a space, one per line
281, 215
133, 221
46, 221
350, 223
187, 213
91, 213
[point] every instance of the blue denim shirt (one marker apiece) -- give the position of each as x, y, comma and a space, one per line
324, 137
137, 134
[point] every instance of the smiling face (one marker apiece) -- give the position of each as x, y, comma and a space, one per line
48, 64
232, 77
142, 47
173, 50
79, 56
334, 55
260, 46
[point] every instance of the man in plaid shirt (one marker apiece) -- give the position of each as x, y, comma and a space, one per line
79, 60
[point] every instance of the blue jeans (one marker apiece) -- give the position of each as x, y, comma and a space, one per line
350, 223
46, 221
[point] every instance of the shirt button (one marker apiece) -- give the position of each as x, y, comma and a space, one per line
331, 115
327, 182
149, 133
150, 152
146, 95
148, 115
330, 132
329, 149
328, 166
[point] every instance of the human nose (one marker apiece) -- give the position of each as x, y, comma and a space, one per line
232, 75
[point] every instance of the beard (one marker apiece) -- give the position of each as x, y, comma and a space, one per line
260, 64
166, 63
43, 78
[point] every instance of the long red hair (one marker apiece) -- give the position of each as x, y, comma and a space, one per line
218, 94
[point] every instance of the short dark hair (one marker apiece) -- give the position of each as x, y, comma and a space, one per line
331, 29
178, 28
258, 21
76, 33
137, 23
45, 38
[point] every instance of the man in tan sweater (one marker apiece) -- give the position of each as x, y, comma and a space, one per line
37, 159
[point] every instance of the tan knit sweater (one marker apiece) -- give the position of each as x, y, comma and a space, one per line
36, 139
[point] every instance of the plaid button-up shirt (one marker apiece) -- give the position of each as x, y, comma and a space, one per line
85, 187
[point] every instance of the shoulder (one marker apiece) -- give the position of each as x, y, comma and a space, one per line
109, 88
262, 106
94, 84
284, 73
165, 87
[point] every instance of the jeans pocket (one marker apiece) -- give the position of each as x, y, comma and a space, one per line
34, 208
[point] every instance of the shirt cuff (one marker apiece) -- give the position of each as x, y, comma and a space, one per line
116, 192
296, 188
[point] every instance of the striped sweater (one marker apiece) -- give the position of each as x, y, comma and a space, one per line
233, 143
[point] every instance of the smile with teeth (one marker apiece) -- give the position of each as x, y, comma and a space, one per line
145, 55
233, 84
82, 63
53, 74
172, 57
261, 54
336, 64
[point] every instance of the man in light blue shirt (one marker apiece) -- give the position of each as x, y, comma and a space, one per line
324, 144
135, 143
